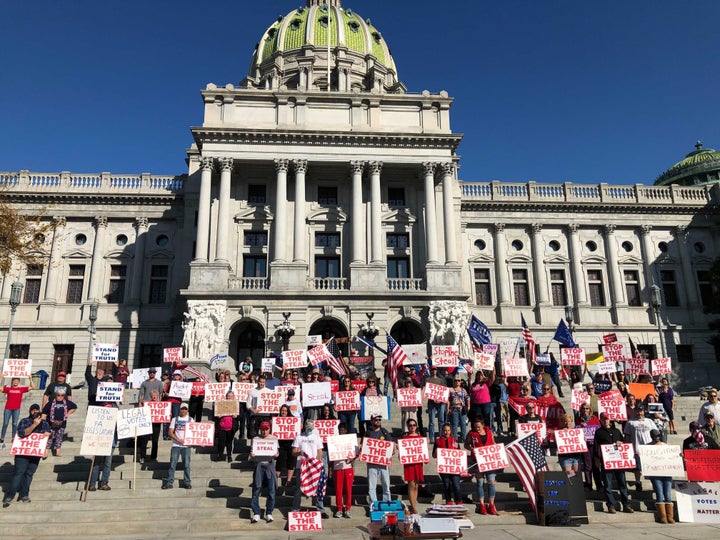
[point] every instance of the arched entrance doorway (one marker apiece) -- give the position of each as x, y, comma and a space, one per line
328, 327
249, 338
407, 331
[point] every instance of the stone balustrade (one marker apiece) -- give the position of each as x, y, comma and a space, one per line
103, 183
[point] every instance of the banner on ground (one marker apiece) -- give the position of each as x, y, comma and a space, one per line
34, 445
199, 434
570, 441
409, 397
109, 392
173, 355
702, 465
304, 521
265, 447
375, 405
105, 352
447, 356
17, 367
269, 403
377, 451
451, 461
491, 458
698, 502
484, 361
134, 422
316, 394
618, 456
661, 366
347, 400
294, 359
181, 389
437, 392
413, 450
662, 460
342, 447
160, 411
572, 356
515, 367
99, 431
326, 428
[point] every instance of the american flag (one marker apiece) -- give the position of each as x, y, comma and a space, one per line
396, 357
199, 374
527, 457
337, 364
528, 339
313, 477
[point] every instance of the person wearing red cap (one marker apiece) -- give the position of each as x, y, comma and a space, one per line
58, 384
607, 433
264, 474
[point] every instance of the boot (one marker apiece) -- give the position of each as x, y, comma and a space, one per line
481, 509
628, 509
670, 512
660, 513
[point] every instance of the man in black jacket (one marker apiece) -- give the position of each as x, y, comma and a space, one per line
609, 434
92, 382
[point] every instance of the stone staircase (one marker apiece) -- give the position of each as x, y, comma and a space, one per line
220, 498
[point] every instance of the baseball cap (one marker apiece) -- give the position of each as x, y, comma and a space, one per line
177, 372
34, 407
376, 417
62, 374
604, 416
291, 392
655, 435
264, 425
183, 405
152, 370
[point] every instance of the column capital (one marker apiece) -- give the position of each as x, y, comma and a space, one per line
375, 167
357, 167
428, 168
300, 165
207, 163
498, 228
573, 228
681, 232
448, 168
536, 227
100, 221
59, 221
226, 164
282, 165
645, 229
141, 224
608, 229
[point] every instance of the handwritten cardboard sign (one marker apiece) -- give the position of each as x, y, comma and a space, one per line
515, 367
508, 348
618, 456
539, 428
375, 405
698, 502
134, 422
662, 460
613, 352
483, 360
227, 407
413, 450
105, 352
319, 354
347, 400
342, 447
173, 355
491, 349
445, 356
33, 445
572, 356
241, 390
181, 389
579, 397
99, 431
160, 411
409, 397
661, 366
285, 428
451, 461
437, 392
606, 367
267, 365
316, 394
199, 434
109, 392
294, 359
377, 451
570, 441
17, 367
491, 458
304, 521
264, 447
326, 428
269, 402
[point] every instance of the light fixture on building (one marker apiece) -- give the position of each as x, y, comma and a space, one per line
369, 330
15, 296
91, 329
570, 318
285, 330
656, 303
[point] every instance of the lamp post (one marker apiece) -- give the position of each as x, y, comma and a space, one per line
285, 331
570, 318
91, 329
15, 296
656, 303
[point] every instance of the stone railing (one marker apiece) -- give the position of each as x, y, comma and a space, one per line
103, 183
586, 193
328, 284
248, 283
404, 284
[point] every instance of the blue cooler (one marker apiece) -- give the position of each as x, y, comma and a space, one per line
380, 508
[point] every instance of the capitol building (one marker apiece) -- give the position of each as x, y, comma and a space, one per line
320, 194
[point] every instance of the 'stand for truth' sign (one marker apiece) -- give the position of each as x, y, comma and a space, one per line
105, 352
109, 392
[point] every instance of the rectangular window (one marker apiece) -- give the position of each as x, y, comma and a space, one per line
327, 240
254, 266
151, 356
327, 195
595, 288
33, 280
558, 288
327, 267
396, 197
647, 351
684, 353
632, 287
398, 240
482, 287
256, 194
398, 267
20, 351
255, 238
158, 284
521, 289
705, 285
116, 291
669, 287
76, 279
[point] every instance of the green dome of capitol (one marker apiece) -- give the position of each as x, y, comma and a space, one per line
700, 167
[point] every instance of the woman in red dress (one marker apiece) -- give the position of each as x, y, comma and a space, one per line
414, 473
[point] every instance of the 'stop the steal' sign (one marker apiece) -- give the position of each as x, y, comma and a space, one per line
445, 356
173, 354
17, 367
377, 451
105, 352
572, 356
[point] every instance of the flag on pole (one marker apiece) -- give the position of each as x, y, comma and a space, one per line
527, 457
311, 473
370, 343
421, 371
337, 364
395, 359
563, 335
528, 339
479, 333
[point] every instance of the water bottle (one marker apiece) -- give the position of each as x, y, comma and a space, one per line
407, 524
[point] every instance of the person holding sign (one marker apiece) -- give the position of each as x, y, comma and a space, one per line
570, 463
481, 436
376, 431
348, 416
610, 435
103, 461
451, 482
14, 394
226, 427
92, 382
55, 386
436, 409
459, 406
264, 474
308, 444
480, 397
176, 431
637, 431
662, 486
25, 465
413, 473
56, 412
666, 396
344, 475
286, 461
153, 439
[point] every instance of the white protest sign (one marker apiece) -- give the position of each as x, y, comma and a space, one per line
662, 460
570, 441
264, 447
134, 422
220, 361
491, 349
105, 352
139, 375
508, 348
17, 367
445, 356
267, 365
294, 359
618, 456
579, 397
483, 360
199, 434
269, 403
342, 447
413, 450
99, 431
109, 392
606, 367
160, 411
613, 352
375, 405
304, 521
326, 428
312, 341
377, 451
572, 356
347, 400
316, 394
636, 366
33, 445
451, 461
491, 458
173, 355
661, 366
615, 409
698, 502
241, 390
285, 428
409, 397
515, 367
525, 428
416, 353
437, 392
319, 354
216, 391
180, 389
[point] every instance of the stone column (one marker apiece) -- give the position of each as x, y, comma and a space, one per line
55, 260
448, 171
578, 278
617, 291
541, 282
502, 278
358, 216
376, 244
223, 226
281, 169
96, 269
647, 249
430, 214
300, 166
681, 234
203, 226
141, 228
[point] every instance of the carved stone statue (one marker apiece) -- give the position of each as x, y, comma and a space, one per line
448, 322
204, 328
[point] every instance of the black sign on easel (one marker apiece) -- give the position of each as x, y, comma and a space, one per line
560, 498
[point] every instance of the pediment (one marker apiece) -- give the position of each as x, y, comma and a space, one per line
481, 258
630, 259
519, 259
399, 215
117, 254
556, 259
667, 259
162, 254
326, 214
702, 260
254, 213
77, 254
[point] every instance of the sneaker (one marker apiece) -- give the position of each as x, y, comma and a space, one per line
324, 515
255, 518
92, 488
346, 514
25, 500
269, 518
338, 514
104, 487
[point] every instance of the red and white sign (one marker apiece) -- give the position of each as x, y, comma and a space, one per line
269, 402
294, 359
319, 354
614, 408
359, 385
409, 397
451, 461
445, 356
609, 338
17, 367
342, 447
173, 354
437, 392
33, 445
216, 391
241, 390
180, 389
572, 356
285, 428
347, 400
199, 434
267, 446
483, 360
661, 366
618, 456
285, 388
413, 450
515, 367
637, 366
613, 352
607, 367
491, 458
578, 398
304, 521
160, 411
316, 394
539, 428
326, 428
570, 441
377, 451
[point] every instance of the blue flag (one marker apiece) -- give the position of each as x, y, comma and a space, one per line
479, 333
563, 335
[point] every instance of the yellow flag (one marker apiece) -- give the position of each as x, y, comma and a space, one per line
594, 358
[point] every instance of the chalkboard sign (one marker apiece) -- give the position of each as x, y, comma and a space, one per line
560, 498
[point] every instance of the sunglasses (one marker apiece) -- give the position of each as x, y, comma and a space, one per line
412, 425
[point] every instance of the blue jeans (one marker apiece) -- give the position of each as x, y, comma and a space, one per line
619, 477
175, 453
106, 463
451, 487
349, 417
6, 418
457, 417
435, 410
490, 477
319, 504
25, 468
373, 471
662, 485
255, 501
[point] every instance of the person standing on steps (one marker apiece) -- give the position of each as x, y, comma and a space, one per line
92, 382
14, 394
264, 475
58, 384
56, 412
609, 434
176, 431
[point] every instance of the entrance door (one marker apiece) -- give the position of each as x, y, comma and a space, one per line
62, 360
250, 342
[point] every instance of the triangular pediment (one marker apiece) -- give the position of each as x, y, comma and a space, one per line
481, 258
162, 254
77, 254
630, 259
556, 259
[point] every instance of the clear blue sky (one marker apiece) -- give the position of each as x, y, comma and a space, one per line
546, 90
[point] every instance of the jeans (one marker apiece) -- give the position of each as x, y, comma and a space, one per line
25, 468
255, 501
175, 453
319, 504
619, 477
451, 487
457, 417
373, 471
6, 417
435, 410
349, 417
662, 485
106, 463
490, 477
